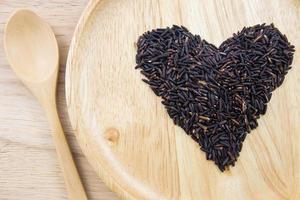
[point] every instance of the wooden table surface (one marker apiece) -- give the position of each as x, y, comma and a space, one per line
28, 163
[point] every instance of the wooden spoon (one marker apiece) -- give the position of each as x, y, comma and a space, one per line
32, 52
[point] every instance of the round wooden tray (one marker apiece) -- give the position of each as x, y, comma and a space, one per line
124, 130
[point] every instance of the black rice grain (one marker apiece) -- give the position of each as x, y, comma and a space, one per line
215, 94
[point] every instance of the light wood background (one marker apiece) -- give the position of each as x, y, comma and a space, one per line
28, 163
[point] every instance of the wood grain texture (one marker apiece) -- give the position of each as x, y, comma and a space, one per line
29, 166
125, 131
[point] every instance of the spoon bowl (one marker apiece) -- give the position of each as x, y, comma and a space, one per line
31, 47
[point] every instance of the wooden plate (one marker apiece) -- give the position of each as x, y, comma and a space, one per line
124, 130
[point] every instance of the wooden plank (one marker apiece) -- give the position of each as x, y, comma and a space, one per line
28, 162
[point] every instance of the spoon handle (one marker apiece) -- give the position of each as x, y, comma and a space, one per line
72, 180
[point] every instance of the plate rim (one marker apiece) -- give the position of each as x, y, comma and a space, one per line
119, 187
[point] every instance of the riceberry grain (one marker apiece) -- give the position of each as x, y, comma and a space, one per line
215, 94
